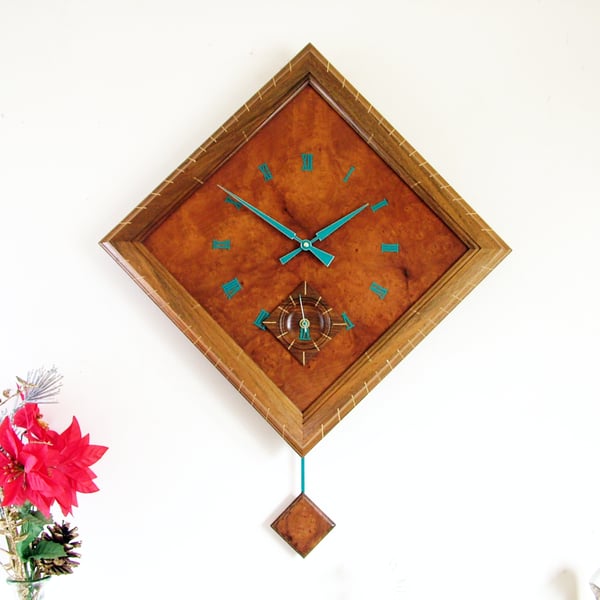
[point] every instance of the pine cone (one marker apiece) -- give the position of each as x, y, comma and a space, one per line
61, 534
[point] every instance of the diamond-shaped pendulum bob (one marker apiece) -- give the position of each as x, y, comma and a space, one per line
303, 524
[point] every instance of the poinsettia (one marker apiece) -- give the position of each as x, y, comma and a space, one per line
22, 470
73, 455
40, 467
50, 467
29, 418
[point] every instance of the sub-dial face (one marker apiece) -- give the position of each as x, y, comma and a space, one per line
303, 322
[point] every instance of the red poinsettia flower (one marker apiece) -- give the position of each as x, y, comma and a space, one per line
51, 467
29, 418
24, 475
74, 456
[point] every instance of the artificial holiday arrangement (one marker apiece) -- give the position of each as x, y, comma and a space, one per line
40, 469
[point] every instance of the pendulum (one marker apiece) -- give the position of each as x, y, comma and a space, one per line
303, 524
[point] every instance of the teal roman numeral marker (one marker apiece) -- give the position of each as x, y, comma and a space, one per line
266, 173
221, 245
349, 323
231, 288
379, 290
235, 203
390, 247
307, 162
349, 173
262, 315
379, 205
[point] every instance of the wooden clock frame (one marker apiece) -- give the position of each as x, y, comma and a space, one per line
303, 429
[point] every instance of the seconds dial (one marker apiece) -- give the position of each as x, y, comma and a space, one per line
304, 322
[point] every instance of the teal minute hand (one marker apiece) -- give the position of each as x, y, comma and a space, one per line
323, 256
324, 233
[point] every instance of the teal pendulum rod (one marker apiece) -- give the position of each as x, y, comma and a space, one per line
302, 475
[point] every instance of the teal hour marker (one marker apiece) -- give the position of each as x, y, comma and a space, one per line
221, 244
262, 315
235, 203
349, 323
378, 290
390, 248
349, 173
307, 162
231, 288
379, 205
266, 172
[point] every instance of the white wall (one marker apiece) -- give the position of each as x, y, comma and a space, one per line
479, 476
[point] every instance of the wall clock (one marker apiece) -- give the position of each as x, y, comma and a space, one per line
305, 249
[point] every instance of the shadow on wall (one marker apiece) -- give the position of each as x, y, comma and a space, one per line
564, 585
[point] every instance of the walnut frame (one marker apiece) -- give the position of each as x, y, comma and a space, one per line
302, 430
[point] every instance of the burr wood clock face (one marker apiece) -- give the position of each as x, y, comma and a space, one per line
305, 249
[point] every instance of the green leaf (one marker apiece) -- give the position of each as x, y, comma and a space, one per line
24, 546
32, 515
47, 549
32, 525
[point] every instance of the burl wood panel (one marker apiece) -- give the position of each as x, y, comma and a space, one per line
303, 525
430, 221
345, 174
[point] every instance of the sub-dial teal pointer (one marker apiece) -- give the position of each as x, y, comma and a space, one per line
323, 256
304, 333
304, 323
321, 235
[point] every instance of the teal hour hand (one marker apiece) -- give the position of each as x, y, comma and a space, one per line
322, 234
327, 231
324, 257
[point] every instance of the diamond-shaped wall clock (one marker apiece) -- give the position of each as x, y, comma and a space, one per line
305, 249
